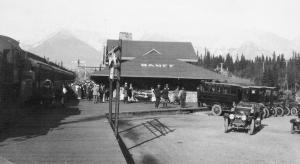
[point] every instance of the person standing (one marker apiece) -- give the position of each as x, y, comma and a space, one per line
176, 95
125, 92
130, 92
95, 93
165, 96
107, 94
182, 97
101, 92
64, 95
199, 92
167, 87
157, 93
152, 95
90, 91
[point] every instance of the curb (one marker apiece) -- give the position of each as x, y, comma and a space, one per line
163, 111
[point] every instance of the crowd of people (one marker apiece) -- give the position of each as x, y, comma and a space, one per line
161, 95
99, 93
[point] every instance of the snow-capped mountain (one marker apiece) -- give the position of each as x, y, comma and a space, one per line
71, 45
66, 47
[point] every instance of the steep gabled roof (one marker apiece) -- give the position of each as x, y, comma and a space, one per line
160, 66
172, 50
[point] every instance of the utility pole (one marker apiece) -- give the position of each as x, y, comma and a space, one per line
114, 62
118, 72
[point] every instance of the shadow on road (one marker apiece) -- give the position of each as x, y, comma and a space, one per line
86, 119
260, 128
154, 126
36, 123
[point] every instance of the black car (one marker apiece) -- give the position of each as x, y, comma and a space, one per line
220, 96
295, 127
245, 115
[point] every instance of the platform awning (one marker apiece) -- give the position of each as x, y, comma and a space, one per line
155, 65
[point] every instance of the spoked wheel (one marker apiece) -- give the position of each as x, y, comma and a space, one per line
287, 111
272, 111
279, 111
252, 127
216, 110
226, 124
294, 111
266, 112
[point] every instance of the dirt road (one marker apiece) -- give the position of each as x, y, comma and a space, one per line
200, 138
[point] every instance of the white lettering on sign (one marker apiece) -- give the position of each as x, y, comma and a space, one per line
158, 65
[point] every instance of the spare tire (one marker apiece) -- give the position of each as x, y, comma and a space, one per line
265, 112
216, 110
294, 111
287, 111
279, 111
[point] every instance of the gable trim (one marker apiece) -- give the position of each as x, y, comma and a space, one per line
152, 51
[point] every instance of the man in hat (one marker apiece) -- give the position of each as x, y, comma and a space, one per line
157, 93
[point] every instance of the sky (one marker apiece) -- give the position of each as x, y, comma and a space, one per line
32, 20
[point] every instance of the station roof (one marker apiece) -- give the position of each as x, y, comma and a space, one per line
259, 87
224, 84
156, 65
173, 50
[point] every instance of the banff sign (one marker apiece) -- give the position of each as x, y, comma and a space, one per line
157, 65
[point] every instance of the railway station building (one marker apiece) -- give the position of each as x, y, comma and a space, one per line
148, 63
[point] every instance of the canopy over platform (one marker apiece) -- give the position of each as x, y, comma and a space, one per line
155, 65
154, 68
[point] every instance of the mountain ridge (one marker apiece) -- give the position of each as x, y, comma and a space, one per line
66, 47
88, 45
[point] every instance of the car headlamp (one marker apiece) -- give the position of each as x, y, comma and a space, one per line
244, 117
231, 116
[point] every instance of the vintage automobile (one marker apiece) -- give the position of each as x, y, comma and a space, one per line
245, 115
220, 96
268, 96
295, 124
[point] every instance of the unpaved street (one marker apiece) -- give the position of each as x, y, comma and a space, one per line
200, 138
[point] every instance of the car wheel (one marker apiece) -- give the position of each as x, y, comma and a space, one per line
294, 111
292, 129
268, 113
226, 125
252, 127
216, 109
287, 111
279, 111
265, 112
